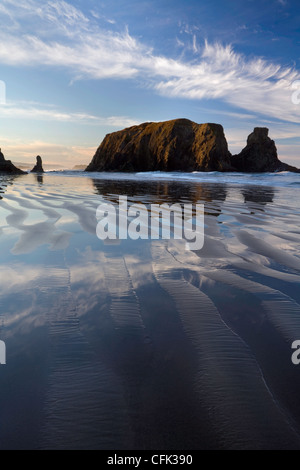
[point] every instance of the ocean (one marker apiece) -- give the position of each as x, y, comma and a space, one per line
133, 344
282, 179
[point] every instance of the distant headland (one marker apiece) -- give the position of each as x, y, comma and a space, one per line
183, 145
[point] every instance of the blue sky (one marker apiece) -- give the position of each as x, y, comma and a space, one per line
75, 71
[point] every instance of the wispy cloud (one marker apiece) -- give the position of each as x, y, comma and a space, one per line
195, 47
254, 85
78, 44
36, 111
246, 116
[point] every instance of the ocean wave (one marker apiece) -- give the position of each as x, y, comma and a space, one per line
283, 179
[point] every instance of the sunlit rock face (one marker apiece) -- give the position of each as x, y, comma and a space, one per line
178, 145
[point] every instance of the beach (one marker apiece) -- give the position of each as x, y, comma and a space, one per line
144, 344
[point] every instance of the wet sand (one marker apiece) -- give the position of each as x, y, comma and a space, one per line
144, 344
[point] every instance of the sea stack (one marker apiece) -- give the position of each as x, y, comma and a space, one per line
260, 155
177, 145
6, 166
39, 166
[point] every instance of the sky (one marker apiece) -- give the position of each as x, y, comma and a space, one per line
73, 71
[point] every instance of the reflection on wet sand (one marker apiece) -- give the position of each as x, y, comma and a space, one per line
145, 345
164, 192
6, 181
39, 178
258, 194
160, 192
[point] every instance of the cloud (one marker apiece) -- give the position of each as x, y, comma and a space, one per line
229, 113
22, 151
254, 85
36, 111
108, 55
78, 44
97, 15
195, 48
60, 9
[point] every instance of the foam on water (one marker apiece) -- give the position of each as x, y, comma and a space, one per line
282, 179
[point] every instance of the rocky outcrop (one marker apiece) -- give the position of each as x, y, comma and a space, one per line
183, 145
39, 166
260, 155
6, 166
178, 145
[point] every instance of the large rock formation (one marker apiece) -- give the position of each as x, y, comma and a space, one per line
183, 145
39, 166
178, 145
6, 166
259, 155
